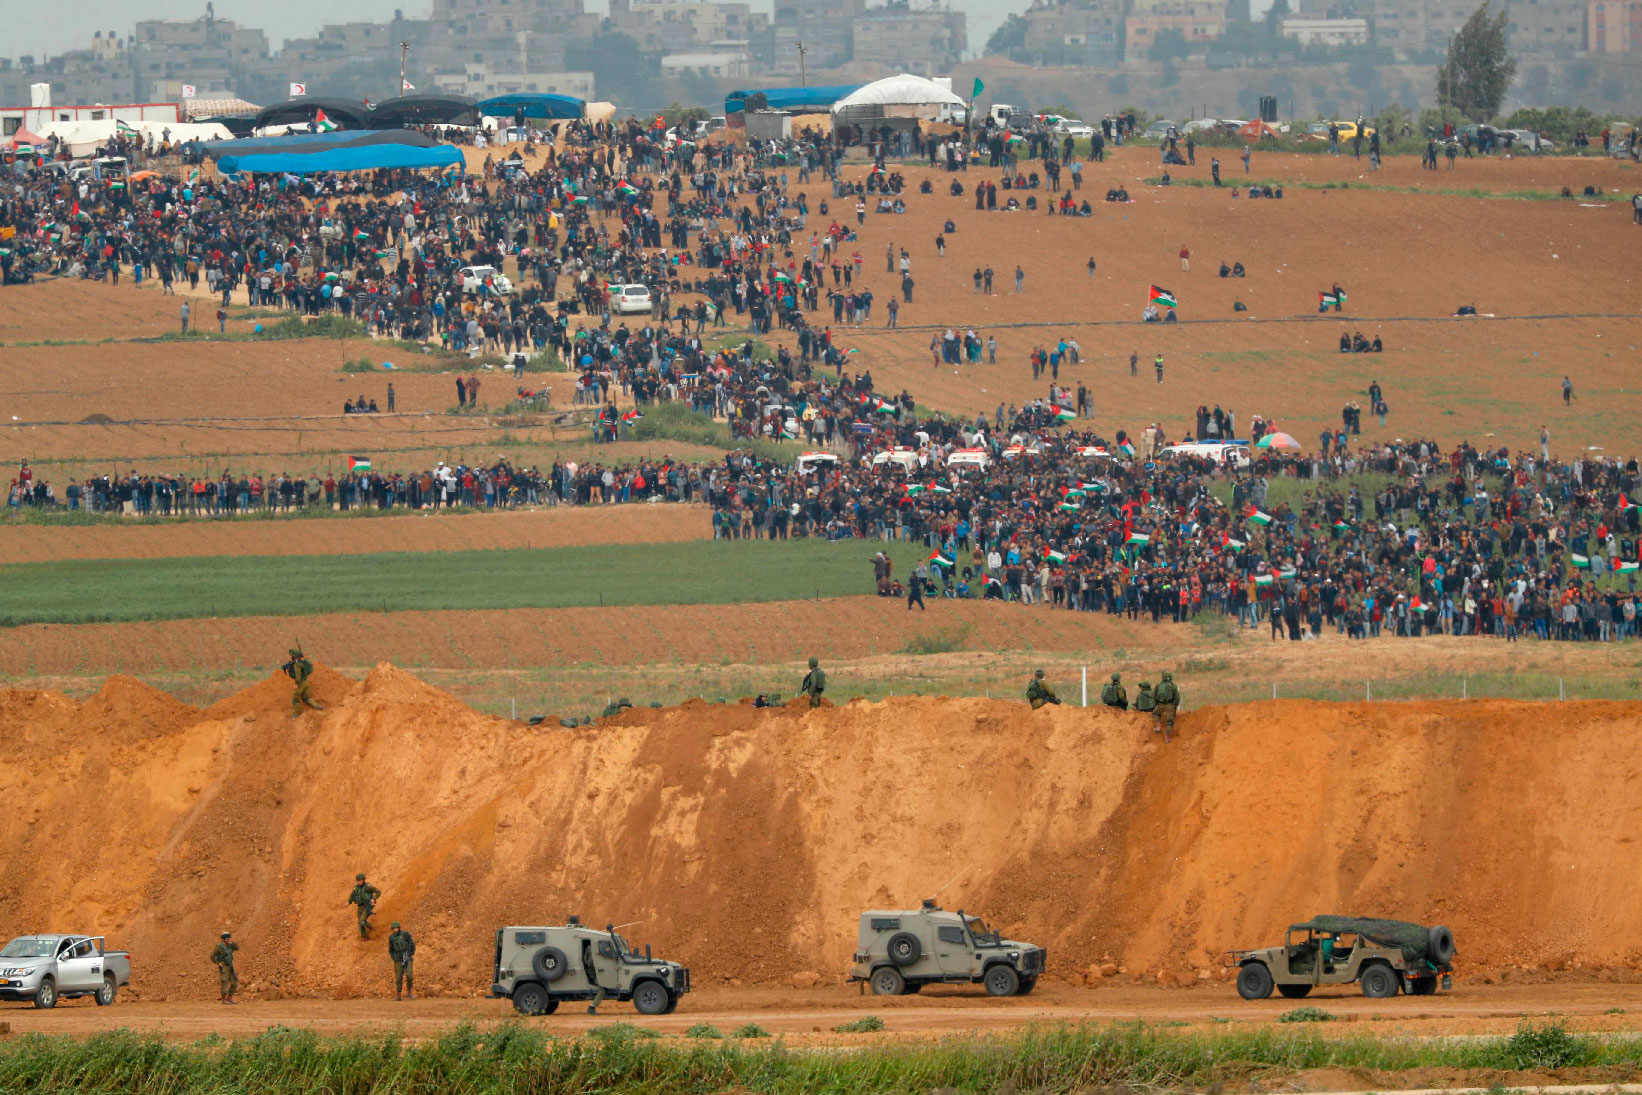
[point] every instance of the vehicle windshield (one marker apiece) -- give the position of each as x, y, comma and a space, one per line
30, 946
984, 936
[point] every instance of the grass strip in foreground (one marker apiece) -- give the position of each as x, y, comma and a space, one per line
519, 1058
691, 572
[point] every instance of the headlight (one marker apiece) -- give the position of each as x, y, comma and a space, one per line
24, 971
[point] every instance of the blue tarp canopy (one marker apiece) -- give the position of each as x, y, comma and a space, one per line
316, 142
362, 158
793, 100
534, 105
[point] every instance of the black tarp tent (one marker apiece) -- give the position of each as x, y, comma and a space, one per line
424, 108
345, 113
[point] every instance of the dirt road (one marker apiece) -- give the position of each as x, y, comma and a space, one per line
808, 1016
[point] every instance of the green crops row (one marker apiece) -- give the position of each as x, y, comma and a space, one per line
690, 572
519, 1059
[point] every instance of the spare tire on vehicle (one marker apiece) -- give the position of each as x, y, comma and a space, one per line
549, 963
904, 948
1439, 946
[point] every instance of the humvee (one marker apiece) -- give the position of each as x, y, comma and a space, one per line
901, 952
537, 967
1384, 956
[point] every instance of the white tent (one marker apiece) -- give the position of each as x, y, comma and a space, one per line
900, 96
84, 137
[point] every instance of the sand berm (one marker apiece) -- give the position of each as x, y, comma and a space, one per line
744, 842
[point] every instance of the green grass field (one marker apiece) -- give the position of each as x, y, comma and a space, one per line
520, 1058
699, 572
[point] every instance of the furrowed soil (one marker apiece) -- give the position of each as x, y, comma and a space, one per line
744, 842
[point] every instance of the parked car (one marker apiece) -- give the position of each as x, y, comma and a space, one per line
539, 967
900, 951
484, 279
816, 461
1526, 140
49, 968
969, 458
629, 299
1160, 129
1384, 956
1076, 128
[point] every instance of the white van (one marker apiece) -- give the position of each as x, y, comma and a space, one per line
969, 458
907, 459
1231, 454
812, 461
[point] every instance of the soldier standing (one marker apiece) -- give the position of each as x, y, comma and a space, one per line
364, 896
592, 974
1113, 694
227, 980
300, 670
1144, 699
1167, 700
815, 683
402, 950
1038, 693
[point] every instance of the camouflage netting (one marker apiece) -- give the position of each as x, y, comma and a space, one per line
1414, 940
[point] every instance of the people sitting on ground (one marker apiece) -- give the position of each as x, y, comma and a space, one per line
1359, 344
1085, 210
1008, 182
884, 206
1345, 343
1166, 181
925, 187
1239, 306
1172, 158
1467, 310
1375, 347
949, 228
1225, 271
1591, 191
1170, 317
1031, 201
347, 407
1150, 314
1033, 182
1011, 204
1238, 271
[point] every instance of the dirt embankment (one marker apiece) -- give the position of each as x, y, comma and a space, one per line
744, 842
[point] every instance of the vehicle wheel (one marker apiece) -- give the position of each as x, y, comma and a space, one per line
106, 992
1379, 983
1295, 992
531, 999
1027, 985
650, 998
1254, 981
1439, 945
1002, 980
672, 1003
904, 948
46, 998
887, 981
1423, 986
552, 1005
549, 963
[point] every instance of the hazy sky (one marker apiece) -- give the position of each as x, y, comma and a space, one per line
54, 26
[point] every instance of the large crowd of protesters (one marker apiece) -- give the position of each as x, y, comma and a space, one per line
1018, 507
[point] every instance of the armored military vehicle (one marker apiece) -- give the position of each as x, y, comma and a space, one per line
538, 967
1384, 956
901, 952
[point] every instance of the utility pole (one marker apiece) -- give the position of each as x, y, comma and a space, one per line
404, 50
802, 79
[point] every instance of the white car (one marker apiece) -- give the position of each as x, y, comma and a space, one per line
1233, 454
907, 459
629, 299
812, 461
484, 279
1075, 128
969, 458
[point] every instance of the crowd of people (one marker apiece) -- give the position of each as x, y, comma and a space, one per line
1015, 507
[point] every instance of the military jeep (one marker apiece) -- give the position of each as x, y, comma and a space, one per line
1384, 956
900, 952
537, 967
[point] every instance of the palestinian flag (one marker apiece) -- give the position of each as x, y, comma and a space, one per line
1286, 573
885, 408
1580, 562
1417, 605
1162, 297
359, 463
632, 416
194, 175
1056, 557
1126, 449
627, 190
942, 561
1259, 518
1327, 300
579, 199
1075, 494
1620, 566
1068, 507
1341, 526
123, 127
915, 488
323, 124
1065, 414
1233, 545
1626, 503
1263, 579
1136, 539
938, 489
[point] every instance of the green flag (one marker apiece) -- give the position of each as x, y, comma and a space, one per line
979, 87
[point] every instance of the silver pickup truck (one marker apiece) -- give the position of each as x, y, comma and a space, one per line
49, 968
